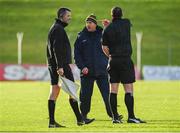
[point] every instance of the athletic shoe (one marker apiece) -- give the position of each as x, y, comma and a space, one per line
135, 120
116, 121
55, 125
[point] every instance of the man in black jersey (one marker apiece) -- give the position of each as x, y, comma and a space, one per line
59, 58
116, 43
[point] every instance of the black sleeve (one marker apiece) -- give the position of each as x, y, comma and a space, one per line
58, 47
78, 54
105, 38
129, 22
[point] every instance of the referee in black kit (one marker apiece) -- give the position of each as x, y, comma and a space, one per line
116, 43
59, 58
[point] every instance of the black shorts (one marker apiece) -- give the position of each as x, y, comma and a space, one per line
55, 77
121, 70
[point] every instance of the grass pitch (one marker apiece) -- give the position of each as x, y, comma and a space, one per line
23, 107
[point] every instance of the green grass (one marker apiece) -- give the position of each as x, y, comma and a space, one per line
23, 107
158, 19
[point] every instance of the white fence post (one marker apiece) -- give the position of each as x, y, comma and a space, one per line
139, 39
19, 38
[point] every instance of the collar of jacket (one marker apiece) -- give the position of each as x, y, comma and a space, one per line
98, 29
61, 23
115, 19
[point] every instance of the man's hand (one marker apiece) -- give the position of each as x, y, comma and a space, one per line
105, 22
60, 71
85, 70
106, 50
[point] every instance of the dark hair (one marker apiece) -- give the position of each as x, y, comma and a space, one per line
116, 12
62, 11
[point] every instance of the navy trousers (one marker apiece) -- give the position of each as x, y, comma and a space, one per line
87, 84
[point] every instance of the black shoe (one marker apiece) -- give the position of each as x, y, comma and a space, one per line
88, 121
55, 125
135, 120
80, 123
116, 121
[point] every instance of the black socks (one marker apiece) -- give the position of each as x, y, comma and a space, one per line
113, 104
74, 106
129, 101
51, 109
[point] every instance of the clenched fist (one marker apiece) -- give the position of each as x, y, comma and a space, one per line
60, 71
85, 70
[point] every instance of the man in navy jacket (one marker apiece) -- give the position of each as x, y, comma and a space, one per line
92, 62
